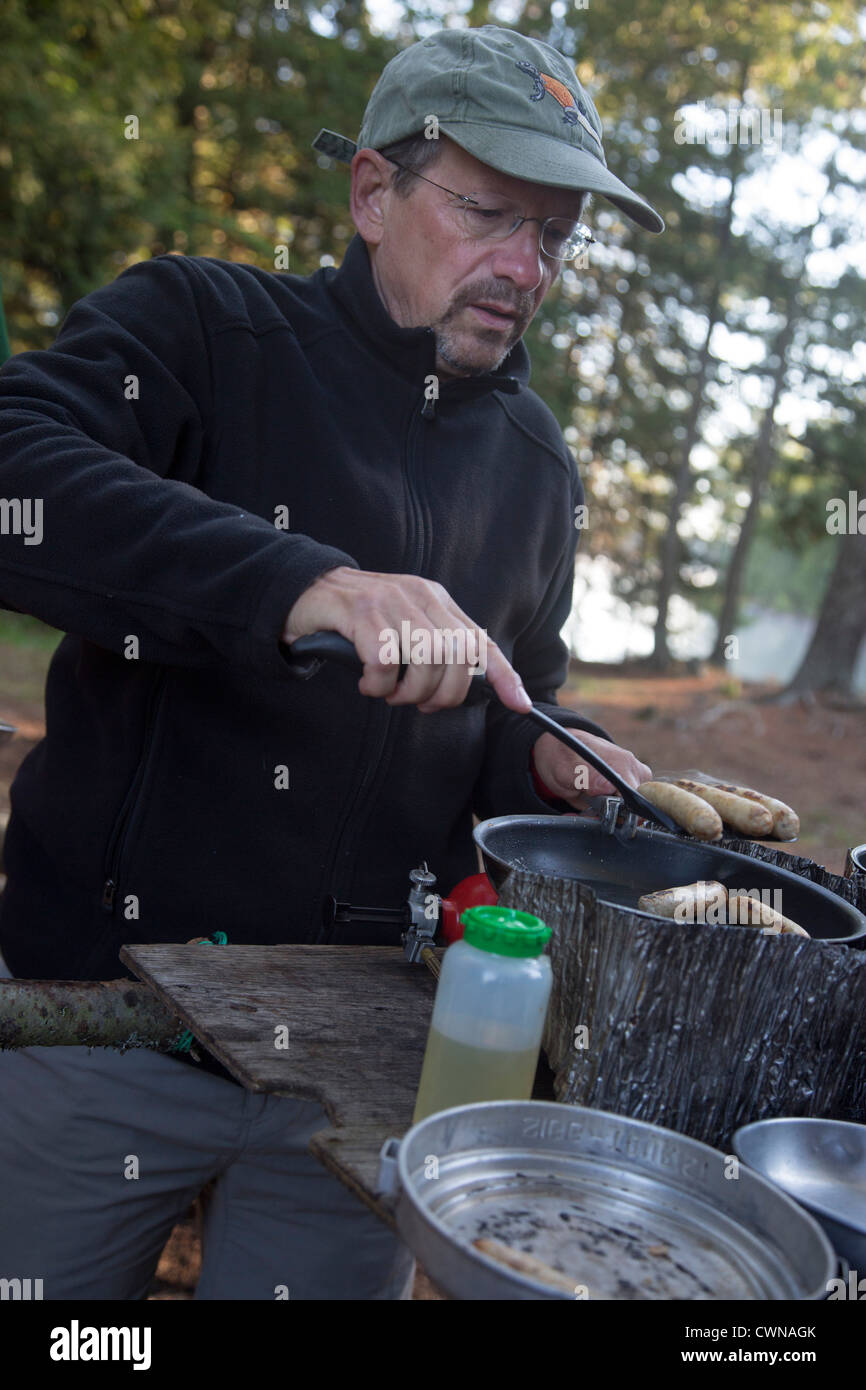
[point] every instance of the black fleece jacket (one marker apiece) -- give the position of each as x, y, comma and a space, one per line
180, 413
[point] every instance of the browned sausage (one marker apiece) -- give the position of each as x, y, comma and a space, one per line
748, 911
786, 822
690, 811
688, 903
749, 817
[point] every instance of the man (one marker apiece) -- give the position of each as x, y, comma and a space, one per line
187, 782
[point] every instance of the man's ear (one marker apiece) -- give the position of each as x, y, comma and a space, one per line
370, 195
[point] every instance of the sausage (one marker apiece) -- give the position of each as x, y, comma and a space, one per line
690, 811
688, 903
529, 1265
697, 901
786, 822
747, 911
750, 817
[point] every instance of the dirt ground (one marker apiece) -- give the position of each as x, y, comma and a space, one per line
809, 754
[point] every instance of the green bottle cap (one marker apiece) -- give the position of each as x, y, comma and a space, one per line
505, 932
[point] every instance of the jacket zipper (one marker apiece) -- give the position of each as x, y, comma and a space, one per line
120, 831
376, 750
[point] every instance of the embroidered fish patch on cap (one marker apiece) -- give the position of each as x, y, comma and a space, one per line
573, 109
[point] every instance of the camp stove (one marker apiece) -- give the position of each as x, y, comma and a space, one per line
426, 918
419, 916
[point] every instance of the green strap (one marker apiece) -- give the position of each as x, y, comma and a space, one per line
186, 1039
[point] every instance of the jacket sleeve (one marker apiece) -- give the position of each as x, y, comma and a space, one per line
540, 656
101, 441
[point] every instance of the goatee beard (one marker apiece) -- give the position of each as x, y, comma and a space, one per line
462, 368
449, 352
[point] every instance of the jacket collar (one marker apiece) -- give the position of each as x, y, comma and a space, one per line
411, 350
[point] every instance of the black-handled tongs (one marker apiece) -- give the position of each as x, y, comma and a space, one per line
306, 654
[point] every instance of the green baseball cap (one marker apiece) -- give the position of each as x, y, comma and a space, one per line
513, 102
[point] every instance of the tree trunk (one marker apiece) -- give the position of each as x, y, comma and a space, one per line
763, 460
829, 663
660, 658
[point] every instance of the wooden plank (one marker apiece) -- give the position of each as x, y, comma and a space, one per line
352, 1155
356, 1019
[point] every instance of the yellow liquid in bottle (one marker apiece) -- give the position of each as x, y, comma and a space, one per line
456, 1074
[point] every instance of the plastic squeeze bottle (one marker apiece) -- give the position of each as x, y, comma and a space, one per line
489, 1014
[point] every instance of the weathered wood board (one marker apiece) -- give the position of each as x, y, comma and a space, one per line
357, 1020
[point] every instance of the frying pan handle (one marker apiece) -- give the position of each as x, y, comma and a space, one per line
308, 652
321, 646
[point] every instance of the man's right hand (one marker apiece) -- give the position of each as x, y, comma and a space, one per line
365, 607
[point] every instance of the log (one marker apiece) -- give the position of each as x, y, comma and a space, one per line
85, 1013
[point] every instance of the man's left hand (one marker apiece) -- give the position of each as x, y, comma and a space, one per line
574, 781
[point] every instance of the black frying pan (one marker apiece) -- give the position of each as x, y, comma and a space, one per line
621, 867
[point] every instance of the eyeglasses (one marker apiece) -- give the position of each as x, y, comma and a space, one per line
489, 217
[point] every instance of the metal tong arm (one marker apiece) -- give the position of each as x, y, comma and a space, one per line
331, 646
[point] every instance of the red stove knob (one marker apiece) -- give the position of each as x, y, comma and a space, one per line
474, 891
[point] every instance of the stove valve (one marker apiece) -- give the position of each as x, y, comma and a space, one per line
424, 911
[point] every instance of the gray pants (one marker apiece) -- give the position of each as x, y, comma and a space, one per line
101, 1153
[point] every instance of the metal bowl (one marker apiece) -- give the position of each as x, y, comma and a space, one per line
820, 1163
626, 1209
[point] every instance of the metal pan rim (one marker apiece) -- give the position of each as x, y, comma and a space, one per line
421, 1212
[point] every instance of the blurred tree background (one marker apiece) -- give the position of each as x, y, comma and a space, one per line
710, 380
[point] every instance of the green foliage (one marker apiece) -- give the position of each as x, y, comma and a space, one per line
227, 99
21, 630
632, 328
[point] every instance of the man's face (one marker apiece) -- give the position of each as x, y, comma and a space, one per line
478, 296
